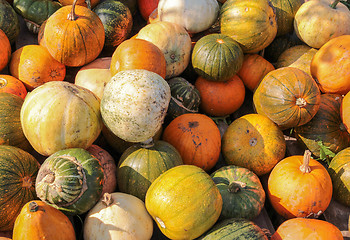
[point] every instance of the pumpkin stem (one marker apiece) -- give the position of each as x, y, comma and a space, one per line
334, 4
107, 199
148, 143
236, 186
71, 16
33, 207
300, 102
305, 168
3, 82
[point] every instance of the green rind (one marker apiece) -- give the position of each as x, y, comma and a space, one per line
9, 22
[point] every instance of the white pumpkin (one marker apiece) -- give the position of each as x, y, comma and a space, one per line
118, 216
194, 15
134, 104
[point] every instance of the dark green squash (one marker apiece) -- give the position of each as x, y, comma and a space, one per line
242, 194
141, 164
217, 57
18, 171
70, 180
9, 22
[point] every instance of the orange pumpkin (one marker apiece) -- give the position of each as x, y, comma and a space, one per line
254, 68
38, 220
34, 66
84, 3
5, 50
220, 98
12, 85
196, 137
74, 35
138, 54
299, 186
345, 111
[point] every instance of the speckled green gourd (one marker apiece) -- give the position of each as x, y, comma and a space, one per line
9, 22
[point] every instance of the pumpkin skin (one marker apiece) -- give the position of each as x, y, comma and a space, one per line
34, 66
126, 213
255, 142
326, 126
339, 171
329, 64
5, 50
12, 85
74, 35
288, 96
146, 7
217, 57
307, 228
48, 222
60, 115
184, 201
196, 137
303, 177
18, 171
78, 173
345, 111
9, 22
242, 194
136, 167
252, 24
84, 3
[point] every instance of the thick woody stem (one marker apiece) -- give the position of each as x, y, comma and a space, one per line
305, 168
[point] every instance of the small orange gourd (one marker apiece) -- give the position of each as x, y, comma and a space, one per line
12, 85
5, 50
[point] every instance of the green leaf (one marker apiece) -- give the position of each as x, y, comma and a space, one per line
325, 153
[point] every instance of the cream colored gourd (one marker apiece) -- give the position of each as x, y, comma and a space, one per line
134, 104
118, 216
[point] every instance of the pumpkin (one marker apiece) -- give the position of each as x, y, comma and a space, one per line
288, 96
345, 111
254, 68
5, 50
146, 7
124, 212
329, 64
252, 23
196, 137
339, 171
12, 85
299, 186
217, 57
18, 171
117, 21
74, 35
255, 142
184, 202
220, 98
235, 228
138, 54
134, 104
141, 164
38, 220
307, 228
34, 66
292, 54
70, 180
325, 128
242, 194
173, 40
131, 4
86, 3
9, 22
304, 61
60, 115
95, 75
317, 22
194, 15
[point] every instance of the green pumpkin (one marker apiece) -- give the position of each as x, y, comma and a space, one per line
70, 180
18, 171
9, 22
217, 57
242, 193
141, 164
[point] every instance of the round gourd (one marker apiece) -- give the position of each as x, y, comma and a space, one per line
59, 115
146, 7
134, 104
9, 22
13, 85
217, 57
18, 171
70, 180
184, 201
5, 50
291, 54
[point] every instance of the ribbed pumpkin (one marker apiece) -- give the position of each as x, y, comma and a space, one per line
9, 22
291, 54
242, 194
60, 115
141, 164
252, 23
5, 50
217, 57
117, 21
288, 96
184, 201
18, 171
38, 220
339, 170
12, 85
325, 128
196, 137
74, 35
70, 180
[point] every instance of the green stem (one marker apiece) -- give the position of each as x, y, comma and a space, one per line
334, 4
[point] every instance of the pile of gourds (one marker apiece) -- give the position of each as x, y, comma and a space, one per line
171, 122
